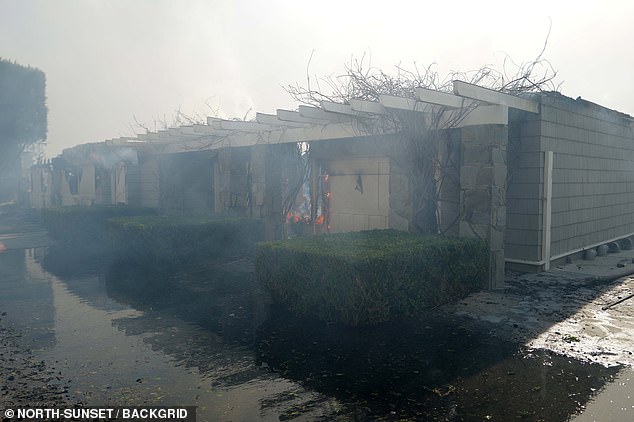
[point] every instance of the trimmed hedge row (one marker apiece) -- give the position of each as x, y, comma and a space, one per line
153, 240
370, 277
84, 227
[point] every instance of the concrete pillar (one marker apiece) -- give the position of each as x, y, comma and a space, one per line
119, 191
41, 187
259, 155
150, 182
400, 197
267, 162
222, 181
87, 194
483, 176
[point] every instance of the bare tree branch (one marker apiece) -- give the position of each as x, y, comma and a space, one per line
421, 135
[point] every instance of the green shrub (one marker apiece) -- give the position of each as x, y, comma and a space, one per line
83, 228
370, 277
181, 240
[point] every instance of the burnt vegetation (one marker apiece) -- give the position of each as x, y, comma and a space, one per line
423, 149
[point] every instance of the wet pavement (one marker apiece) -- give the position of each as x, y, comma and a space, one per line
583, 310
111, 353
542, 349
18, 231
613, 403
565, 312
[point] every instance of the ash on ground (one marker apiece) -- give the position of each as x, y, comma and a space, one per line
568, 313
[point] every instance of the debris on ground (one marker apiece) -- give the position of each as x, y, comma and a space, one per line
26, 381
568, 313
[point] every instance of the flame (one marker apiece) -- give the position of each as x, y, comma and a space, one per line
293, 218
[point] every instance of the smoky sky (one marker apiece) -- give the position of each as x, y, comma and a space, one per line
109, 62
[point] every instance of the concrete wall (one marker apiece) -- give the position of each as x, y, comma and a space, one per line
231, 181
592, 178
361, 185
118, 184
450, 194
388, 202
525, 187
66, 186
87, 194
41, 192
359, 193
103, 189
186, 182
133, 184
483, 187
269, 178
149, 174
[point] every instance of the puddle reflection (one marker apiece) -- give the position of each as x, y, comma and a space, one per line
208, 337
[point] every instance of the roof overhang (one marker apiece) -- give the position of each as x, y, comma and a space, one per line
336, 120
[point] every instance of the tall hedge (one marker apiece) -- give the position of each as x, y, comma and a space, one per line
22, 103
370, 277
157, 240
83, 228
23, 118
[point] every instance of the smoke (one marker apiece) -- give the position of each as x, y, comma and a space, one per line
100, 155
108, 157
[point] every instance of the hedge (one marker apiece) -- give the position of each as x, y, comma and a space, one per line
154, 240
83, 228
370, 277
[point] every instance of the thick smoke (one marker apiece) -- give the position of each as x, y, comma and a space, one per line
110, 156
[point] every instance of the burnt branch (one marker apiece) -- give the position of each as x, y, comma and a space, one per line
422, 136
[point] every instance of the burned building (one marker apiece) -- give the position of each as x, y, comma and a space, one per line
540, 177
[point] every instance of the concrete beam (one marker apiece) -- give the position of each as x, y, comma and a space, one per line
279, 136
403, 103
367, 106
183, 131
151, 137
323, 115
211, 121
243, 126
340, 109
491, 96
208, 130
295, 116
481, 115
125, 140
274, 120
442, 98
145, 136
